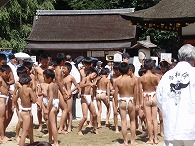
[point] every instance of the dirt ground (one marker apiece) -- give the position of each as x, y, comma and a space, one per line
106, 137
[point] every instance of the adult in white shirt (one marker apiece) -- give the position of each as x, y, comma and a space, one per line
176, 100
13, 65
76, 74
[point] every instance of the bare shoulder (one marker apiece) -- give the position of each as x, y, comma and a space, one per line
36, 68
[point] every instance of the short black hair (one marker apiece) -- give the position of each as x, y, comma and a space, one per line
87, 60
149, 64
132, 67
116, 65
43, 56
5, 68
52, 63
3, 56
60, 57
123, 68
28, 64
157, 70
24, 79
91, 70
69, 66
125, 55
104, 71
21, 70
141, 71
49, 73
164, 64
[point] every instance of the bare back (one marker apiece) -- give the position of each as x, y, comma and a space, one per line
53, 90
149, 82
103, 83
44, 89
27, 96
58, 74
125, 86
87, 90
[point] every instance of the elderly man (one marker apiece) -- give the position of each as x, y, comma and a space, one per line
176, 100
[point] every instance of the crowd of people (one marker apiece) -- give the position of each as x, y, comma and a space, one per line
166, 89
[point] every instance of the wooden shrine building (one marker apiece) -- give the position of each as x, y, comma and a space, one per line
92, 33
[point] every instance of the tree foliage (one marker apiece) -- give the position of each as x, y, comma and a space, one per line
16, 19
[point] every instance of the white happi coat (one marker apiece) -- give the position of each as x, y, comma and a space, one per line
176, 100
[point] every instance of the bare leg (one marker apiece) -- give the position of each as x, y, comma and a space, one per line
99, 106
149, 123
53, 125
131, 111
39, 112
45, 117
26, 123
115, 118
9, 113
2, 117
18, 126
94, 114
84, 110
90, 121
69, 103
122, 107
107, 104
161, 123
64, 107
30, 130
155, 123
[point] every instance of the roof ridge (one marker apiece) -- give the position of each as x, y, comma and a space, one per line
85, 12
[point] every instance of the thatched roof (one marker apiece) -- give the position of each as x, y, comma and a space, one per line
166, 11
83, 28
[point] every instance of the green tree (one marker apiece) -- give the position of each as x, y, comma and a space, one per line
16, 19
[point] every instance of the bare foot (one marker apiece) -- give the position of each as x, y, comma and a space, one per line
161, 134
99, 126
55, 144
39, 129
134, 143
69, 130
95, 131
156, 141
80, 133
124, 144
5, 139
89, 126
150, 142
117, 131
107, 123
61, 131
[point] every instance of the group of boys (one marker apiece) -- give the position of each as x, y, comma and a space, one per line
52, 88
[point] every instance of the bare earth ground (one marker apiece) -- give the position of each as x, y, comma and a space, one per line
106, 137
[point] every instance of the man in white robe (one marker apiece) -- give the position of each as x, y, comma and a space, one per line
176, 100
